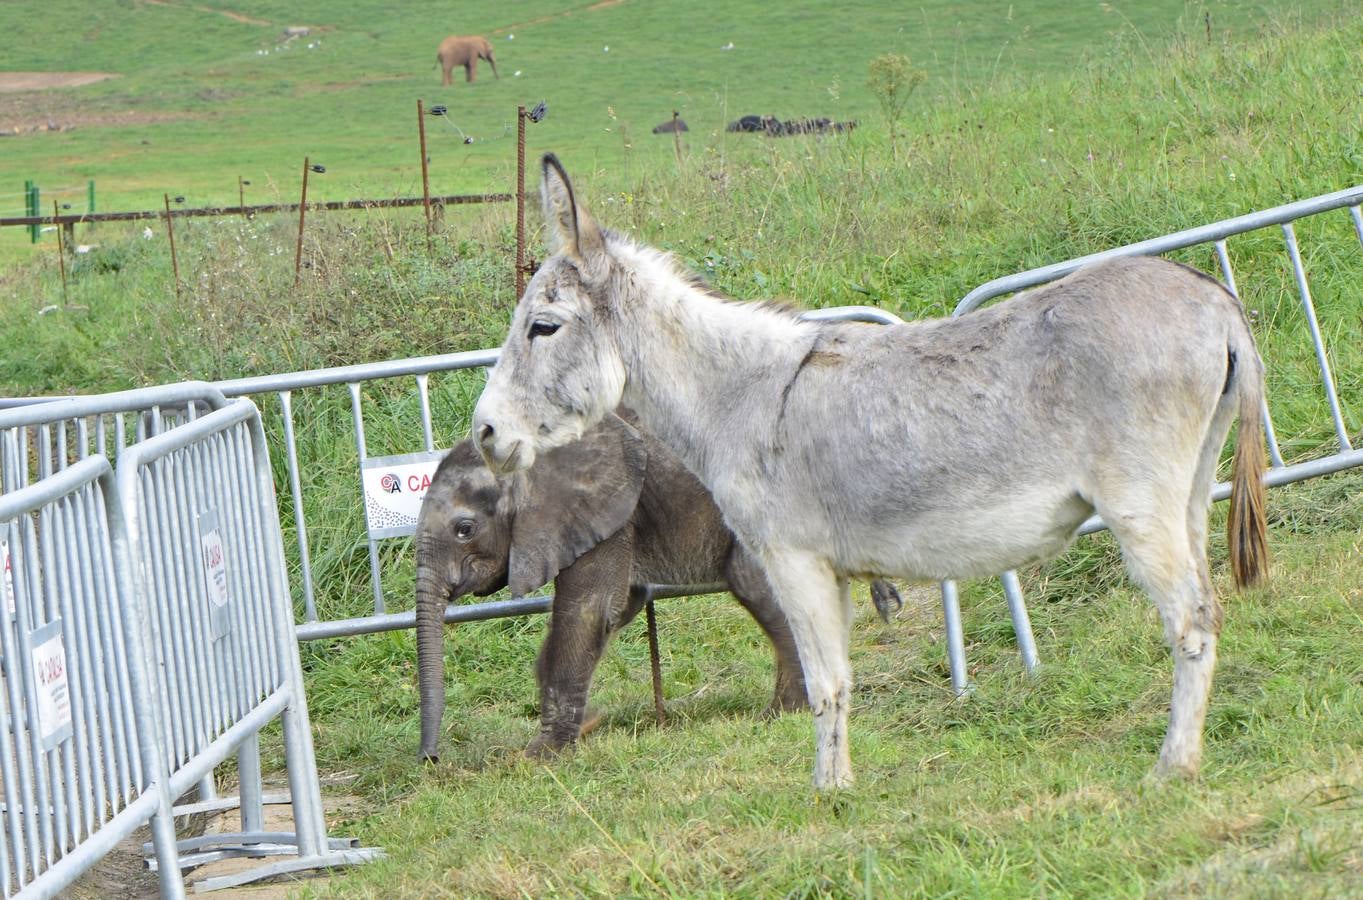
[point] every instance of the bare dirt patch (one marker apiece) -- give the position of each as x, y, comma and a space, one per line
591, 7
38, 81
122, 875
227, 13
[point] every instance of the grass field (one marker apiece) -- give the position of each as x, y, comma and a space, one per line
1040, 134
196, 104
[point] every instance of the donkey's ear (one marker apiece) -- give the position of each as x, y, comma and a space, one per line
573, 498
575, 233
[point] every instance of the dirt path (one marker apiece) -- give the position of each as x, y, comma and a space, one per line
11, 82
591, 7
234, 16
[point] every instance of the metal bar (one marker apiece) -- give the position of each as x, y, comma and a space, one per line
296, 494
375, 577
655, 663
1327, 379
302, 213
1022, 622
1190, 237
520, 201
210, 211
424, 394
1274, 453
425, 177
955, 635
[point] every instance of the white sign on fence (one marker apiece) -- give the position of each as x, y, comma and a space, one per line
215, 573
54, 694
9, 577
394, 487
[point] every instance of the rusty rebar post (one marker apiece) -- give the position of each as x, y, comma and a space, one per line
425, 177
170, 233
676, 138
302, 212
61, 250
655, 663
241, 196
520, 201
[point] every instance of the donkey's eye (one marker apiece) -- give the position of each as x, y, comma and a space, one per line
540, 328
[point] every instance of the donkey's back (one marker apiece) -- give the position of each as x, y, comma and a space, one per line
963, 447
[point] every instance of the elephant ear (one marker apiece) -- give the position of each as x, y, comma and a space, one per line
571, 499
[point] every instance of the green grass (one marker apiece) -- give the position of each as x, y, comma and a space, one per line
213, 109
1061, 131
1028, 787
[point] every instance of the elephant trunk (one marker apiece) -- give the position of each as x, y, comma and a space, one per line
431, 593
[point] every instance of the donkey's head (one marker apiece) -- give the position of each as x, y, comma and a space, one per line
560, 371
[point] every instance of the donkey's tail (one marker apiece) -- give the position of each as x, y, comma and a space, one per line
1247, 525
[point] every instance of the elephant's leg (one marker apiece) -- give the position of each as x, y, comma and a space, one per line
749, 584
470, 68
445, 69
588, 598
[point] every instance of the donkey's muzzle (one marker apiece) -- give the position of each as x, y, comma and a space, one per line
500, 454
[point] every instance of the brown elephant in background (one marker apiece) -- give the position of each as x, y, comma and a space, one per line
464, 50
599, 518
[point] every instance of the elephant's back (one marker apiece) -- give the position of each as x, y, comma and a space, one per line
679, 534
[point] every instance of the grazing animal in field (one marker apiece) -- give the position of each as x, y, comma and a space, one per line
464, 50
934, 449
598, 517
671, 126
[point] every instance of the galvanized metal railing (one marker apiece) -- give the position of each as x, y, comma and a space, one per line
192, 555
1215, 234
207, 560
78, 773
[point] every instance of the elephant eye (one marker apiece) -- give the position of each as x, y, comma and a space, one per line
464, 530
541, 328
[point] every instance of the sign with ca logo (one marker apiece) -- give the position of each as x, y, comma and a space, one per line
394, 487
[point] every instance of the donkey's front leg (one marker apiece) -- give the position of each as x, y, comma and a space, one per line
816, 605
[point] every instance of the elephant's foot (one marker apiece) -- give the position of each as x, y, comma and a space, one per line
784, 702
555, 738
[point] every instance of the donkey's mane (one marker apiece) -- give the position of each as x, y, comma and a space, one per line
697, 282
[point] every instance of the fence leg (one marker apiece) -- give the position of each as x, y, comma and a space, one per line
520, 203
951, 610
249, 787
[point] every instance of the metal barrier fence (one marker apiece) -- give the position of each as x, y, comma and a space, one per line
197, 566
77, 771
359, 377
1216, 235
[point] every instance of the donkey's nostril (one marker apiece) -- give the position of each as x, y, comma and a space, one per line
485, 433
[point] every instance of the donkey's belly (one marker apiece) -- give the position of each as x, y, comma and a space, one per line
974, 541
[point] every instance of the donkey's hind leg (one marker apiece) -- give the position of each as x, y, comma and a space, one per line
816, 604
1159, 555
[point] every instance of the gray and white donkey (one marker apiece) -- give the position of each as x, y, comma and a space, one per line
933, 449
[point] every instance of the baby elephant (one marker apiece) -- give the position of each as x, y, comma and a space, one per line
612, 511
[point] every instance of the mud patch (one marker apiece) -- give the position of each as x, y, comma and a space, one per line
11, 82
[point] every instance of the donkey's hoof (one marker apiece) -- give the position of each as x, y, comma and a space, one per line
1165, 771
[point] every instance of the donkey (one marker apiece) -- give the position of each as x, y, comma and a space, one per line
942, 448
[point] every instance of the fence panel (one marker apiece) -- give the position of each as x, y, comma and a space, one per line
206, 556
80, 767
1213, 236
